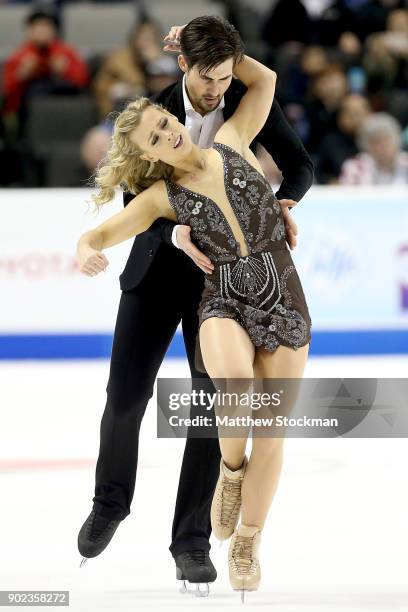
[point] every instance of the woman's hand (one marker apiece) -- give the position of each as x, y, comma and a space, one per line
91, 261
291, 229
173, 38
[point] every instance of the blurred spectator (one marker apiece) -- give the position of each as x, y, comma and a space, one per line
340, 144
386, 58
10, 162
160, 73
140, 68
336, 20
94, 147
95, 144
123, 74
337, 61
327, 92
288, 21
296, 73
286, 29
43, 64
372, 16
381, 162
346, 22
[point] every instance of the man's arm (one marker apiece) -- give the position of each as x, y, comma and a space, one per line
289, 154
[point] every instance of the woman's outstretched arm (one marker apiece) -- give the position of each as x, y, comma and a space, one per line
134, 219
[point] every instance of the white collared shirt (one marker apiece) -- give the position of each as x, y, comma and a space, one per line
202, 129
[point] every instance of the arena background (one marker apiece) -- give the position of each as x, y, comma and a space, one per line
336, 536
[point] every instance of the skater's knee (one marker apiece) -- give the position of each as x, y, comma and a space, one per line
125, 398
237, 380
233, 376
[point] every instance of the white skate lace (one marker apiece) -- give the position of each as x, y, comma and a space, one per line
242, 555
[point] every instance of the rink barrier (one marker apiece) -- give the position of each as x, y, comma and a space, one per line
99, 346
352, 259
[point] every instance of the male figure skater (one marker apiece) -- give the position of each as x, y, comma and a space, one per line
161, 286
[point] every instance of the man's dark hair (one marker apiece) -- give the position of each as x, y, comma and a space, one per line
208, 41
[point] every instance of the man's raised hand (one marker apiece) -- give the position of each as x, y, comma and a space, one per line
173, 39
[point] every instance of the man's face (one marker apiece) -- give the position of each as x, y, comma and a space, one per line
205, 90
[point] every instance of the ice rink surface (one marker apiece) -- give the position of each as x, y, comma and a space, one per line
335, 540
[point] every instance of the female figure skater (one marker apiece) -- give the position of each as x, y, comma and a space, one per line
254, 321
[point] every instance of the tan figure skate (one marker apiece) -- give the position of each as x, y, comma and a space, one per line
243, 561
226, 502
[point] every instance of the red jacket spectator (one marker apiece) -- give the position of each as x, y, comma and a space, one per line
41, 58
31, 62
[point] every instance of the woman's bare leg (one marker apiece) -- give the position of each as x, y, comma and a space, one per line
228, 354
264, 466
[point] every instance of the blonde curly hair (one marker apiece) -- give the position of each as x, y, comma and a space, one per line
122, 165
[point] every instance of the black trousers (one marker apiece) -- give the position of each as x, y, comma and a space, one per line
147, 320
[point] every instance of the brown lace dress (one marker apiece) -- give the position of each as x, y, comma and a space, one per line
261, 291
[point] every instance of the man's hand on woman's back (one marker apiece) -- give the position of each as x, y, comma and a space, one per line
186, 245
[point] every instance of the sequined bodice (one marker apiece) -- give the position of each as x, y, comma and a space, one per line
252, 200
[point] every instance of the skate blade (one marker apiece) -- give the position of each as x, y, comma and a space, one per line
83, 561
243, 591
205, 592
197, 592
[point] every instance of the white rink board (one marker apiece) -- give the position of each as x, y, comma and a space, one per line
352, 259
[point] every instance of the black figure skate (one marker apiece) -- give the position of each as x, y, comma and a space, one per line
95, 534
195, 566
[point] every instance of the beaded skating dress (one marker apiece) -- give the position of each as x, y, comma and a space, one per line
262, 290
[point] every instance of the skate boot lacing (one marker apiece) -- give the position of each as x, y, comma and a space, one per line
197, 556
99, 526
241, 557
231, 493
